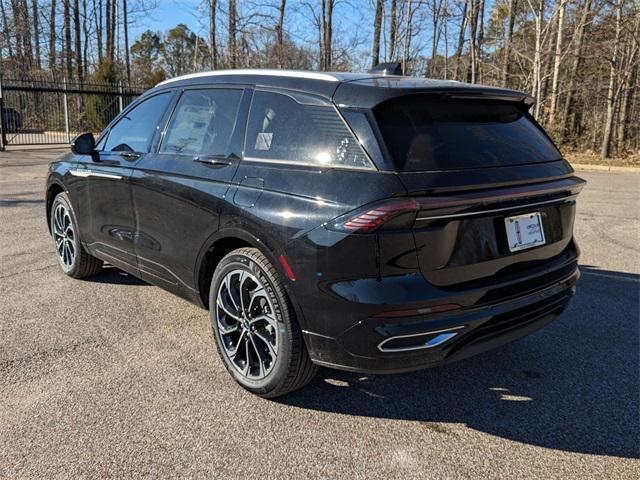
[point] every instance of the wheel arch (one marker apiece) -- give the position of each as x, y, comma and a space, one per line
53, 190
216, 247
225, 241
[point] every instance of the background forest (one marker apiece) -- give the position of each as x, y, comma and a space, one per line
579, 58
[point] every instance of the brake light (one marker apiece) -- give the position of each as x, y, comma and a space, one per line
372, 217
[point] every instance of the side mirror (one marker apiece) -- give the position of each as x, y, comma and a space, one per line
83, 144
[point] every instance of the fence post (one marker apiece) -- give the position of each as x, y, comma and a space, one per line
120, 96
66, 108
3, 134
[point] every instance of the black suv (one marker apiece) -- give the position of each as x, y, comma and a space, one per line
362, 222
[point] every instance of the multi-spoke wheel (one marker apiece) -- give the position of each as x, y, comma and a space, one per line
256, 331
64, 236
247, 324
72, 257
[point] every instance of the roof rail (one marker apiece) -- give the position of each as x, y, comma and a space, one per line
269, 72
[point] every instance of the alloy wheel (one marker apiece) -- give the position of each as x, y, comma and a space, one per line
64, 236
246, 324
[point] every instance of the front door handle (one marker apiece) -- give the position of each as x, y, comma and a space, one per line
130, 155
214, 160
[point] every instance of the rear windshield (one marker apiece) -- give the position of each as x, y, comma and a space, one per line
424, 133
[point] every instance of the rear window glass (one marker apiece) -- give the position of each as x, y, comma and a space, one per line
423, 133
281, 129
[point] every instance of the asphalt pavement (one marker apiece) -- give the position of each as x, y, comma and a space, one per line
113, 377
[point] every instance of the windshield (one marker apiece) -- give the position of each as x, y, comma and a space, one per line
424, 133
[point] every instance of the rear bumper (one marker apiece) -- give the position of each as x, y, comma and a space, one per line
393, 345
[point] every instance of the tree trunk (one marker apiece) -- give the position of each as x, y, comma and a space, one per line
556, 62
280, 32
436, 14
407, 39
461, 35
472, 71
480, 36
231, 42
109, 31
213, 7
85, 34
328, 35
52, 36
626, 106
66, 14
377, 28
78, 41
578, 36
511, 14
5, 27
36, 32
125, 25
536, 81
393, 30
611, 90
97, 9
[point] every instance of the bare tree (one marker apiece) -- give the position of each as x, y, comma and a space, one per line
231, 42
561, 6
280, 32
78, 41
511, 15
377, 29
213, 48
461, 36
67, 39
125, 26
611, 90
36, 32
393, 29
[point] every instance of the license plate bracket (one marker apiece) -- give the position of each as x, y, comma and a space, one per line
524, 231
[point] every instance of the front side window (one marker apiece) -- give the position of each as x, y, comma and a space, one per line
281, 129
134, 131
203, 122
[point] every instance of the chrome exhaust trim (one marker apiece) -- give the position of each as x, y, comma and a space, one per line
442, 337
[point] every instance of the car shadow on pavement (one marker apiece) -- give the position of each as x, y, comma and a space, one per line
111, 274
572, 386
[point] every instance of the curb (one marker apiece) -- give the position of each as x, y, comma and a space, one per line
604, 168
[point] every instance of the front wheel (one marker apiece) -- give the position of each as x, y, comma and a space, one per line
72, 257
255, 326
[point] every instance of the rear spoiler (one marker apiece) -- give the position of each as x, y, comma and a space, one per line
527, 100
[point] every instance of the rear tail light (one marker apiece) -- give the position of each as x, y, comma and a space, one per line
372, 217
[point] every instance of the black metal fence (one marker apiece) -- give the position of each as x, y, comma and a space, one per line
49, 112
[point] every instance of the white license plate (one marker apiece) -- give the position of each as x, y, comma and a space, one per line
524, 231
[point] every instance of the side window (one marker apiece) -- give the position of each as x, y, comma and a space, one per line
203, 122
134, 131
282, 129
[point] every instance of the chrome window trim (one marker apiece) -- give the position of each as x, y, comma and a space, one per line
306, 164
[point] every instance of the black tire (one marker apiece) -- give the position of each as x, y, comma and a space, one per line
292, 368
83, 264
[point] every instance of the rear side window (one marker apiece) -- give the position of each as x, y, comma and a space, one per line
424, 133
203, 122
134, 131
281, 129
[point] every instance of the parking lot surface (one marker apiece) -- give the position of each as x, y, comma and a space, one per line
111, 376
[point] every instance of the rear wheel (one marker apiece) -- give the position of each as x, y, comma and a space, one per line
72, 257
256, 330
